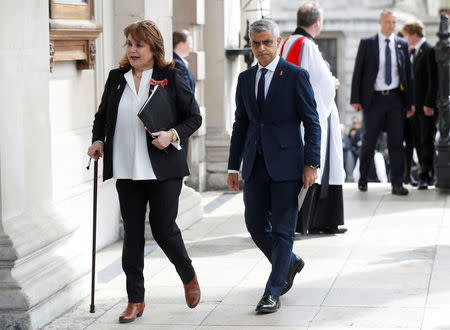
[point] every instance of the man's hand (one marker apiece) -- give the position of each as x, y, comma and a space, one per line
429, 112
95, 151
357, 107
233, 181
337, 84
309, 176
163, 139
411, 112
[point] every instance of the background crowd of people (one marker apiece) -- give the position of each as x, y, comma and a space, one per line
406, 86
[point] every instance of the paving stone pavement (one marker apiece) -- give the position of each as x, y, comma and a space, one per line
390, 270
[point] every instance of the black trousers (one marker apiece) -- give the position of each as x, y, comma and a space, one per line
385, 111
162, 196
411, 142
425, 139
420, 131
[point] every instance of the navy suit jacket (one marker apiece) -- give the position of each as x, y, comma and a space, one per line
187, 74
366, 71
289, 102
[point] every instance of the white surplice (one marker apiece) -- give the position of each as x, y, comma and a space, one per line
323, 84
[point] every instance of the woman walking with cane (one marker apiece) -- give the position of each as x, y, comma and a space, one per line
149, 167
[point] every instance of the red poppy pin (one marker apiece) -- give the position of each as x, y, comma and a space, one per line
118, 86
281, 73
158, 82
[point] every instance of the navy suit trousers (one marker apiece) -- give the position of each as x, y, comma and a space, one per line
385, 111
271, 219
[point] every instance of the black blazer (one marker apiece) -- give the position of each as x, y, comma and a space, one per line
425, 78
366, 71
187, 74
166, 165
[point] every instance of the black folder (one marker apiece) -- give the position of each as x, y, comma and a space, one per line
158, 112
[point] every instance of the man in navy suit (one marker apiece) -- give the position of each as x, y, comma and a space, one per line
382, 88
182, 46
272, 99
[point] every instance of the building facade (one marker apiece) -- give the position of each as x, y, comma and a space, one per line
54, 60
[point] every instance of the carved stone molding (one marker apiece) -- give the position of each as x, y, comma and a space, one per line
73, 32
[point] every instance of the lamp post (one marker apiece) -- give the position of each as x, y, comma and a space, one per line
246, 51
442, 54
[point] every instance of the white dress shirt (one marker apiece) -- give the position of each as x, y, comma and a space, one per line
130, 154
380, 82
268, 79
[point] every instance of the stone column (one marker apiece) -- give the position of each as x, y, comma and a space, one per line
190, 15
222, 29
39, 272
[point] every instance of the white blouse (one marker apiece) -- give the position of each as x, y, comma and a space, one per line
130, 155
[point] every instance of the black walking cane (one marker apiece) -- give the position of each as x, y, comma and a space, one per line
94, 231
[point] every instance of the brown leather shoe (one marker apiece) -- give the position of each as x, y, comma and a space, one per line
133, 310
192, 293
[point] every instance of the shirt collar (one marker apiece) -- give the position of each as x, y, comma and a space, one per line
419, 44
272, 65
301, 31
383, 38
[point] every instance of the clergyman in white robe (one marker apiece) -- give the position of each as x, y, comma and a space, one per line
323, 208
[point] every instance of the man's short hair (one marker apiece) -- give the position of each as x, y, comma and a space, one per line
415, 27
179, 36
387, 11
308, 13
265, 24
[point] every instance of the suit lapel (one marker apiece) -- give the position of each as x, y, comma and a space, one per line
157, 75
251, 89
116, 94
376, 51
275, 81
398, 47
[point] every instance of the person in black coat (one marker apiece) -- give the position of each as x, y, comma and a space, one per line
423, 124
381, 87
182, 46
149, 166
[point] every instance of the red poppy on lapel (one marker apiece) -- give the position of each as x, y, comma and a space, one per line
158, 82
118, 86
281, 73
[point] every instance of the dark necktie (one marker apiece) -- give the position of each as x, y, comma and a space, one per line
261, 89
388, 66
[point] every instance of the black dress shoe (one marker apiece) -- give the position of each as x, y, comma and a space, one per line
334, 230
398, 189
423, 184
268, 304
295, 268
362, 185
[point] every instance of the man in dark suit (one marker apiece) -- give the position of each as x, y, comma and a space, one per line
381, 87
272, 99
423, 123
182, 46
